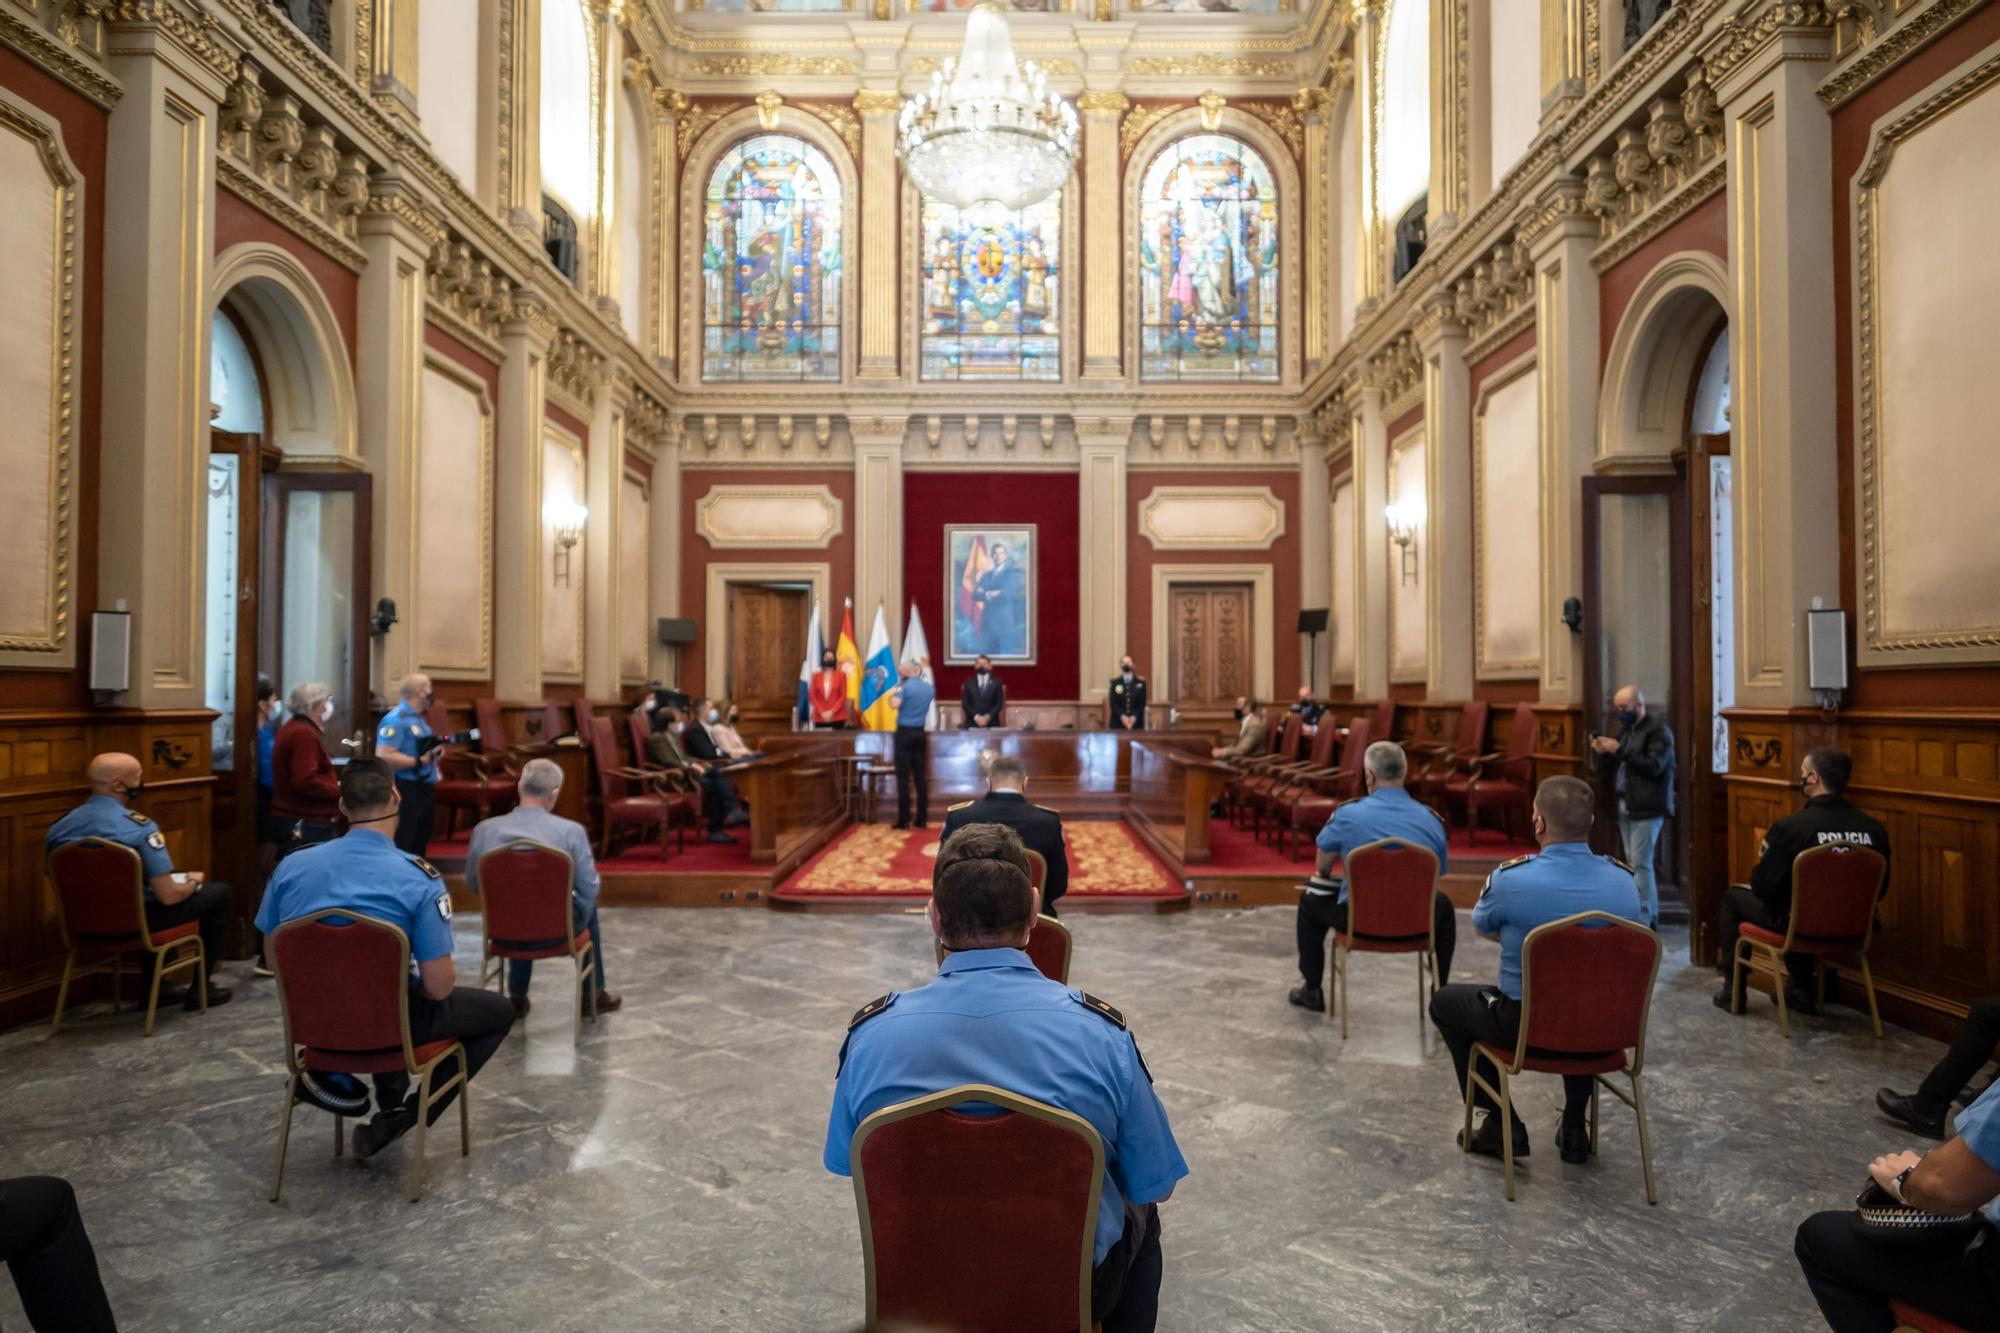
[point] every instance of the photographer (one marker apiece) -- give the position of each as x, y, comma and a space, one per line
411, 749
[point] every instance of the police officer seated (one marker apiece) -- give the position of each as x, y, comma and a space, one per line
173, 897
366, 873
1308, 708
1564, 878
1767, 900
991, 1017
1387, 811
1041, 828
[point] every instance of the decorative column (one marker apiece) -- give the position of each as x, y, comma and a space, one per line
878, 109
1371, 541
878, 521
518, 573
667, 110
1321, 163
1448, 116
398, 231
158, 202
603, 479
1102, 535
1781, 330
1315, 528
1448, 496
1103, 290
1560, 232
664, 549
609, 39
521, 123
392, 61
1371, 276
1565, 50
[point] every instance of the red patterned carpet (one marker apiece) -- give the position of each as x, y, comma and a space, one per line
873, 861
1232, 851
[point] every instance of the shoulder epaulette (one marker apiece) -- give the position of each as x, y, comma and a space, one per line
1620, 864
1442, 820
960, 806
870, 1009
1517, 861
1046, 810
1100, 1008
137, 818
424, 866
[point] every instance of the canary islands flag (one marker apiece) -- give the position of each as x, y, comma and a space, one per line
878, 678
847, 656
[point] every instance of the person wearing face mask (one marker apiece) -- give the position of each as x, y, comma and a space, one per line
364, 872
826, 694
305, 790
1250, 733
172, 898
984, 698
1641, 757
1564, 878
400, 743
1767, 900
1125, 700
719, 798
728, 739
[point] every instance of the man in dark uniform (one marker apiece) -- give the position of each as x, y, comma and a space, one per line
43, 1243
1308, 708
1767, 901
1040, 828
984, 698
1126, 699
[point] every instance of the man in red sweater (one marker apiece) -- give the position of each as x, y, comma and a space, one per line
305, 789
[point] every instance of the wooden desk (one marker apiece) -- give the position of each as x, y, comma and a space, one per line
792, 797
1171, 793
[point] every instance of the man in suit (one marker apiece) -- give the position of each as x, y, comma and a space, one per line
1251, 734
1040, 827
671, 746
1126, 699
984, 698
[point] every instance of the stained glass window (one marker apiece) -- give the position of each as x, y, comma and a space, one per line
770, 264
992, 293
1208, 263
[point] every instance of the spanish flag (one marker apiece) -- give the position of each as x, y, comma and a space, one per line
848, 655
977, 562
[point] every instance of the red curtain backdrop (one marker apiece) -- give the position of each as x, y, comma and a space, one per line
995, 499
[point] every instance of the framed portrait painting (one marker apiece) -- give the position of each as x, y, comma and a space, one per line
989, 581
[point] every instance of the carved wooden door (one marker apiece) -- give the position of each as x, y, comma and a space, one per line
767, 641
1211, 644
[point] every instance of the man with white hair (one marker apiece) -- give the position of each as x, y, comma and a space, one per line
405, 742
1387, 811
535, 820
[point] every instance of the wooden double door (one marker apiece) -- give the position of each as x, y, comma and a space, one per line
1210, 647
766, 625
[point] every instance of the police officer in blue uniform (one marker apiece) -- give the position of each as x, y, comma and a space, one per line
912, 699
173, 897
990, 1017
1388, 811
1564, 878
405, 742
366, 873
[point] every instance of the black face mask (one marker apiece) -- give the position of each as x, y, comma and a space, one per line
826, 664
1126, 669
133, 790
981, 671
1239, 715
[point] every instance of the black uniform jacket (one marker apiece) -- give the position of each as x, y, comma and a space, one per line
1127, 700
1824, 819
1040, 829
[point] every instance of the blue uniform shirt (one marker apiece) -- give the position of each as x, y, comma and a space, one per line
918, 695
267, 744
402, 727
991, 1017
365, 873
105, 816
1979, 1126
1389, 812
1563, 879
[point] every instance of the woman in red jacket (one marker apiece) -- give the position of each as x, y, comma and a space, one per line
305, 789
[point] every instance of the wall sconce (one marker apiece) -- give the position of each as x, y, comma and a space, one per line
565, 518
1403, 517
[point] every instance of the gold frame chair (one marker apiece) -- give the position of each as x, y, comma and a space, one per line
988, 1095
427, 1096
1427, 964
1636, 1100
1753, 955
491, 965
161, 953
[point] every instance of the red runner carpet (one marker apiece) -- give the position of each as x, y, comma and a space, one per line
874, 861
1232, 851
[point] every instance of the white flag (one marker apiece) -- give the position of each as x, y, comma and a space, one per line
917, 648
815, 647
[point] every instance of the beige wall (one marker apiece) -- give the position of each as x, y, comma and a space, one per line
1341, 622
1408, 622
454, 575
562, 602
635, 626
33, 452
1507, 481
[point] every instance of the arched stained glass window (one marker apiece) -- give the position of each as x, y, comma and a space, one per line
770, 263
1208, 263
992, 293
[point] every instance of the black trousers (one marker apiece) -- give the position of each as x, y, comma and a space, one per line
1853, 1278
417, 816
1739, 905
208, 905
1971, 1048
1125, 1287
47, 1250
1468, 1014
718, 797
478, 1018
1321, 912
913, 773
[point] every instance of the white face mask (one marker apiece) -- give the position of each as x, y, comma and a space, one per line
326, 711
712, 717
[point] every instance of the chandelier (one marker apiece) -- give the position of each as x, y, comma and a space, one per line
987, 135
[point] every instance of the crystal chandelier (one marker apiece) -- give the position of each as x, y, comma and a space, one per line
987, 135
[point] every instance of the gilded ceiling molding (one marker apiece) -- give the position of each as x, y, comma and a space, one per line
1738, 39
696, 117
1206, 65
468, 295
293, 169
1283, 120
1143, 118
1872, 47
840, 119
768, 63
194, 30
51, 56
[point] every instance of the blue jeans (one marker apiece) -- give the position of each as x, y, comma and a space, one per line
1641, 838
520, 970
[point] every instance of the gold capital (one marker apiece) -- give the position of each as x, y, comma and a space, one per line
878, 101
1103, 103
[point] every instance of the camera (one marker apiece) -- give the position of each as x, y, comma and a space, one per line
426, 744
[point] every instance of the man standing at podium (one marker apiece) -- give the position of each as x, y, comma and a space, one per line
984, 698
1126, 698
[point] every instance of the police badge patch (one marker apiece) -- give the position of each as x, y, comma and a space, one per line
444, 905
156, 840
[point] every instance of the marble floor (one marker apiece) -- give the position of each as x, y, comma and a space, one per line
665, 1175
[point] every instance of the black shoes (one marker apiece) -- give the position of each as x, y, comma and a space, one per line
718, 835
1800, 999
1308, 997
1966, 1096
216, 995
1906, 1112
374, 1135
1486, 1139
1725, 1001
520, 1003
1573, 1142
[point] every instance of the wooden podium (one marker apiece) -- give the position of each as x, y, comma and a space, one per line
1171, 793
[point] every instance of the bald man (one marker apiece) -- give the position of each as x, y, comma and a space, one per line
172, 897
1641, 758
405, 742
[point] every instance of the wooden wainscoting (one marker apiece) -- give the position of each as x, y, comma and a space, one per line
42, 758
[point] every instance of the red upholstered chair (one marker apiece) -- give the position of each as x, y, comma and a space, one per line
977, 1223
1282, 743
1834, 891
1909, 1319
555, 721
1048, 948
526, 887
634, 796
1433, 766
1586, 991
101, 903
586, 718
344, 991
639, 728
1503, 782
1323, 791
1389, 889
1273, 792
483, 780
1382, 720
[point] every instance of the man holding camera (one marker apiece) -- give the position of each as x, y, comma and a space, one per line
407, 744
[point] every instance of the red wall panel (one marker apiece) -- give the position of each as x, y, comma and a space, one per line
1707, 228
237, 222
